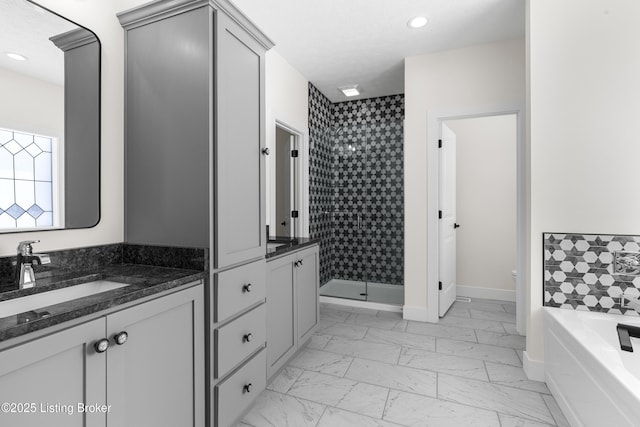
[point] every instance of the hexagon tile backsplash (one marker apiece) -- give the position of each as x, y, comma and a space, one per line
580, 273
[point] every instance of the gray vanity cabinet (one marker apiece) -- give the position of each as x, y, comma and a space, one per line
292, 305
61, 368
281, 313
195, 128
154, 378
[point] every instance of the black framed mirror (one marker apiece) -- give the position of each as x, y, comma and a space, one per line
49, 120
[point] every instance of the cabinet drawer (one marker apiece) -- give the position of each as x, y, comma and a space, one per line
232, 395
238, 339
239, 288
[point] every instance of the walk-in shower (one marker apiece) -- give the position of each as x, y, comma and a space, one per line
357, 201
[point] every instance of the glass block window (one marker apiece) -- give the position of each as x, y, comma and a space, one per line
27, 181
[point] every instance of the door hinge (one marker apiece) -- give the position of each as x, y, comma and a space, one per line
439, 214
439, 143
294, 214
439, 286
294, 153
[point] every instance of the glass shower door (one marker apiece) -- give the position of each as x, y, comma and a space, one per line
349, 239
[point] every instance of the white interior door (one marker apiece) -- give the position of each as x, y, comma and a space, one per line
447, 226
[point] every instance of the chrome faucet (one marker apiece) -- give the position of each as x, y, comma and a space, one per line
25, 277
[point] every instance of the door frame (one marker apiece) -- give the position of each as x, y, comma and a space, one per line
302, 177
434, 120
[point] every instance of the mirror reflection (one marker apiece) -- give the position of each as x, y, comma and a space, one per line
282, 223
49, 120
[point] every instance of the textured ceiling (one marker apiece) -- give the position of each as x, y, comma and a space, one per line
25, 29
336, 43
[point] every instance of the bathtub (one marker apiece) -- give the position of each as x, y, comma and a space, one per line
594, 382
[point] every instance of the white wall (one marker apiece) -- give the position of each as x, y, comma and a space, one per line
482, 75
486, 205
287, 101
31, 105
584, 105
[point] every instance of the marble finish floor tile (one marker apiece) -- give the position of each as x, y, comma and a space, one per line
279, 410
493, 315
334, 417
342, 393
456, 373
501, 339
367, 350
438, 330
334, 315
506, 400
318, 341
345, 330
443, 363
285, 379
509, 307
374, 321
510, 421
413, 410
393, 376
556, 412
322, 361
487, 352
510, 328
484, 305
417, 341
458, 311
461, 322
513, 376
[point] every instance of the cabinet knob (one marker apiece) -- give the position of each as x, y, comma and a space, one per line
265, 151
247, 388
246, 288
101, 346
247, 337
121, 337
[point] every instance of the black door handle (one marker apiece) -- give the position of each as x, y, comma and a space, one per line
456, 225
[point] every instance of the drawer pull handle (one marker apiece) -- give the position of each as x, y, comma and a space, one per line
101, 346
121, 337
247, 288
248, 337
247, 388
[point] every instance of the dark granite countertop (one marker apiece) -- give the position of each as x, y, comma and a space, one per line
288, 244
143, 281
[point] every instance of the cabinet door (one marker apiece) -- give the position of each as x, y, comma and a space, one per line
240, 202
156, 378
167, 131
281, 312
56, 373
307, 282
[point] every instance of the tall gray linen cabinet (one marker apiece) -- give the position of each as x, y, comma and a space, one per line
194, 171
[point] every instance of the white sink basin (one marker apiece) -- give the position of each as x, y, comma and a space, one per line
274, 245
44, 299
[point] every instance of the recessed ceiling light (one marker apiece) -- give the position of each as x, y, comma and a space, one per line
350, 90
417, 22
16, 56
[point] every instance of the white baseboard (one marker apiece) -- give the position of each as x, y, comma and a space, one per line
533, 368
412, 312
486, 293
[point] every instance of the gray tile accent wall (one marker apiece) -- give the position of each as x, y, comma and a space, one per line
357, 187
578, 272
